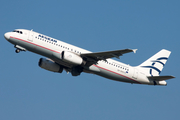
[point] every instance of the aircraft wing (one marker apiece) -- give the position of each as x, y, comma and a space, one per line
94, 57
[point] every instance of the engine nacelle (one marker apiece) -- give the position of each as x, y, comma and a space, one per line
72, 58
50, 65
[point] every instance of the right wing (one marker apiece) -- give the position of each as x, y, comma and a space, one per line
94, 57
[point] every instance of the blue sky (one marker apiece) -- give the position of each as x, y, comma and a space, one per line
28, 92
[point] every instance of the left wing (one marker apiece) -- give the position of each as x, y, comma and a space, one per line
94, 57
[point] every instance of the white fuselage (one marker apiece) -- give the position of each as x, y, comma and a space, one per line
49, 47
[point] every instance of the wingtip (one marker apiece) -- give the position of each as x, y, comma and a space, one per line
134, 50
173, 76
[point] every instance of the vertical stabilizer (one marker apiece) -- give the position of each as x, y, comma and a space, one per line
154, 65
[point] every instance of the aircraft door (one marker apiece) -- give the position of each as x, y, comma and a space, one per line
30, 36
135, 74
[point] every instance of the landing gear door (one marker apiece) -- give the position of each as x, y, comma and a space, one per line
30, 36
135, 75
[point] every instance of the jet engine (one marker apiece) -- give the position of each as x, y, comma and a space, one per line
72, 58
50, 65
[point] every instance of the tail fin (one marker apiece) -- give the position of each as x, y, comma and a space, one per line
154, 65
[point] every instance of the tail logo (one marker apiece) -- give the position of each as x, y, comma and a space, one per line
157, 65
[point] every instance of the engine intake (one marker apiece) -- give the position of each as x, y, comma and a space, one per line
50, 65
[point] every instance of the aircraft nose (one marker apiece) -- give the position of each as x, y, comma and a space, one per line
7, 36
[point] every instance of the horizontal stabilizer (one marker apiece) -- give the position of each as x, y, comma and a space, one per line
160, 78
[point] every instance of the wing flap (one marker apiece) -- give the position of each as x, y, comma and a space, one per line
160, 78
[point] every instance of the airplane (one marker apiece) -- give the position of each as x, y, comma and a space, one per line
63, 56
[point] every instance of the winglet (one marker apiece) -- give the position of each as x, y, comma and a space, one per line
134, 50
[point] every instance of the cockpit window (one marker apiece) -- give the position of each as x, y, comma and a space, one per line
18, 31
